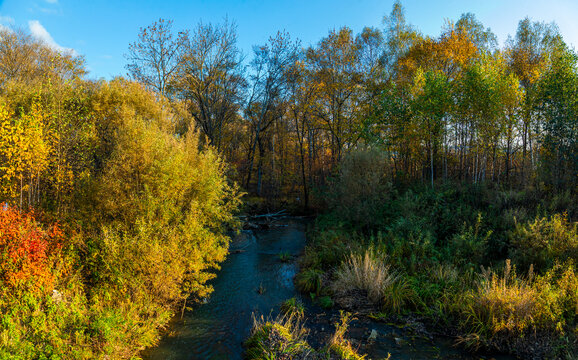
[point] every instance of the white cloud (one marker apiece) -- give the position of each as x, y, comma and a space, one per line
52, 1
40, 33
5, 23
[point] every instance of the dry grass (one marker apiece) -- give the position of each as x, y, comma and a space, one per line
507, 302
366, 272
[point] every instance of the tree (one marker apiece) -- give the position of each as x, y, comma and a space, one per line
557, 105
27, 61
268, 88
431, 102
528, 56
399, 36
334, 63
156, 56
484, 39
211, 80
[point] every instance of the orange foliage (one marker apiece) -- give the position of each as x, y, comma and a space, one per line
27, 250
451, 52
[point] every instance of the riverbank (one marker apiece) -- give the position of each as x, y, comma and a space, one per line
255, 281
440, 260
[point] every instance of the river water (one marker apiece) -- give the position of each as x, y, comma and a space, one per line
253, 280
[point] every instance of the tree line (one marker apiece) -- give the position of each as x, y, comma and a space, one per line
452, 107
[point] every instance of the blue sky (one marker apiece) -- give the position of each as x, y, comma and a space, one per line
101, 30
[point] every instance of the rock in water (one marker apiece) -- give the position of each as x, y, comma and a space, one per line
372, 336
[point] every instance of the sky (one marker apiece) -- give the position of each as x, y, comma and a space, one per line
102, 30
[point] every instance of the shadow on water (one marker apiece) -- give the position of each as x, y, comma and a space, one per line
217, 329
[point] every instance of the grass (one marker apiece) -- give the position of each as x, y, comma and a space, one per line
512, 306
365, 272
309, 281
285, 256
285, 337
279, 338
338, 344
292, 306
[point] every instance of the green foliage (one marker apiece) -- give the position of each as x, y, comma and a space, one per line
329, 248
325, 301
436, 241
544, 242
469, 245
558, 105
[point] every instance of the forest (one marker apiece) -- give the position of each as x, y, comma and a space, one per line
442, 173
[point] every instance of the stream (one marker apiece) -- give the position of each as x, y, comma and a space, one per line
253, 280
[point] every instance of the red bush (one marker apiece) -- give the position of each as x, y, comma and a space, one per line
27, 250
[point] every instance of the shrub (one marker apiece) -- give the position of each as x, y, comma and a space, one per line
360, 189
413, 251
509, 306
328, 249
469, 245
326, 302
544, 241
503, 304
29, 253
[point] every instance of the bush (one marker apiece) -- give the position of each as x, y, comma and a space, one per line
164, 204
30, 255
544, 241
359, 191
154, 211
328, 248
507, 306
503, 303
469, 245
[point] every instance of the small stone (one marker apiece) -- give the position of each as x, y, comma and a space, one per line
372, 336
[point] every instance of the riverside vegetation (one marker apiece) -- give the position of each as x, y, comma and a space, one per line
444, 170
496, 269
111, 217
